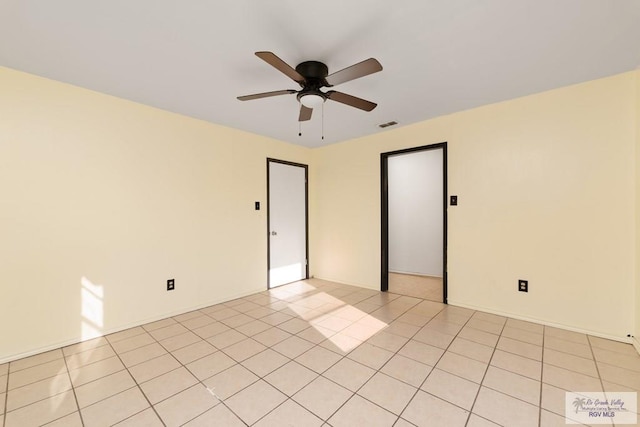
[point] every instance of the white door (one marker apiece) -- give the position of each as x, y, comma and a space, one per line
287, 206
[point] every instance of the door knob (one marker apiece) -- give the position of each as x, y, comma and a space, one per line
274, 233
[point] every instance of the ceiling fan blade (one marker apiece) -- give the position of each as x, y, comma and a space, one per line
305, 113
277, 63
353, 72
351, 100
266, 94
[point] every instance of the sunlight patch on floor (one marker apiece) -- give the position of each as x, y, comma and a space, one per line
330, 316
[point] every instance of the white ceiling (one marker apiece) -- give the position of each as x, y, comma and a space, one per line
439, 56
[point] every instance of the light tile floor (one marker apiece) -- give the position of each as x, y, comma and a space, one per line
316, 353
425, 287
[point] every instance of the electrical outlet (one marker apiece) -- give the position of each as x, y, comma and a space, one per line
171, 284
523, 285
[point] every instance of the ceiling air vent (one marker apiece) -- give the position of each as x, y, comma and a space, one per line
385, 125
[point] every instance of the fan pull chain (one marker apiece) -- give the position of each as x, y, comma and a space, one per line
299, 128
323, 121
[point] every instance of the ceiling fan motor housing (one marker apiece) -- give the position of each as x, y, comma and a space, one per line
314, 72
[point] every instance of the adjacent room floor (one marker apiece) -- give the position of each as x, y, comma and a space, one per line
425, 287
316, 353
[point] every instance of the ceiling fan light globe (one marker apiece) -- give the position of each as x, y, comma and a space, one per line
311, 100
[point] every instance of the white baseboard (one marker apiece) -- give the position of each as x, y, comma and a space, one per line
633, 341
544, 322
410, 273
77, 340
341, 282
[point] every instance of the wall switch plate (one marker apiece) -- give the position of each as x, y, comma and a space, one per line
171, 284
257, 206
523, 285
453, 201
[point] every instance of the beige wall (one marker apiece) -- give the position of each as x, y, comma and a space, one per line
102, 200
546, 187
126, 197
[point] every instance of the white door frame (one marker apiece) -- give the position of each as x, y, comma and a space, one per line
306, 214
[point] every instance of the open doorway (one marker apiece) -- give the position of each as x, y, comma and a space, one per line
414, 222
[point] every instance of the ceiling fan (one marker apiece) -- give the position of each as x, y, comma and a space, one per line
314, 75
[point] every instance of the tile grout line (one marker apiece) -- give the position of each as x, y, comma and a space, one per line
30, 384
484, 375
115, 353
595, 362
199, 381
520, 375
34, 365
383, 365
342, 356
338, 361
221, 401
434, 367
110, 344
30, 367
403, 420
6, 398
419, 388
320, 374
276, 407
565, 369
520, 355
73, 389
293, 360
263, 377
230, 410
137, 385
541, 376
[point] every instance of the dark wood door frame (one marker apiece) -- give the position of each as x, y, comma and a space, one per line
384, 193
306, 216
